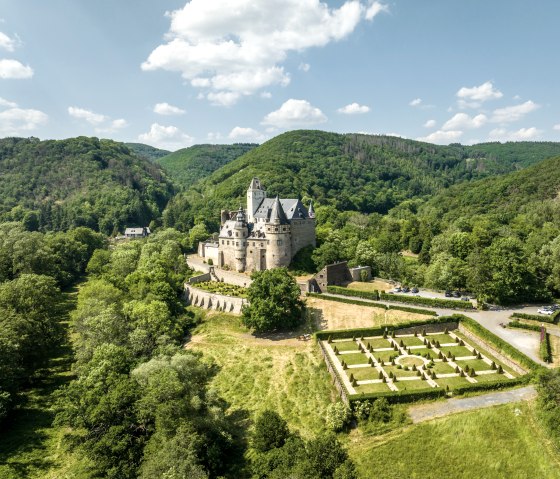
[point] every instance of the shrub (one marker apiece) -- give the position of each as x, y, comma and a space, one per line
381, 376
271, 431
338, 416
517, 324
380, 411
533, 317
362, 409
500, 369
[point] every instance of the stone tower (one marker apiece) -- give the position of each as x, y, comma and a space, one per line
255, 195
278, 232
240, 233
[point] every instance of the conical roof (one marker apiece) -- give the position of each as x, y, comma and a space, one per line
311, 211
277, 215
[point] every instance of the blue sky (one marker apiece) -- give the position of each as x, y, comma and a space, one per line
176, 73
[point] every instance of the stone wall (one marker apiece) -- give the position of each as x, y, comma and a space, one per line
239, 279
357, 273
202, 278
492, 350
336, 380
218, 302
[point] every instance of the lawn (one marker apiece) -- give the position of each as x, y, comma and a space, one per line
361, 374
285, 375
442, 368
411, 341
457, 351
493, 443
442, 338
377, 343
372, 388
477, 364
353, 358
346, 345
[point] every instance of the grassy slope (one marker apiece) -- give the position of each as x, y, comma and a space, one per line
30, 446
287, 376
189, 165
490, 443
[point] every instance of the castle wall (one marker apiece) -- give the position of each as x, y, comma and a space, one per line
303, 234
218, 302
208, 251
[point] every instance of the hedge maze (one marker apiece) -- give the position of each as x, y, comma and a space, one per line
394, 363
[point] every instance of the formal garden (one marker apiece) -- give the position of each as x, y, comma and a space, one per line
219, 287
417, 364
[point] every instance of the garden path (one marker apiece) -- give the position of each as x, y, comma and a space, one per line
426, 412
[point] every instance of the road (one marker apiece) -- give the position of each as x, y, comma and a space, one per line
426, 412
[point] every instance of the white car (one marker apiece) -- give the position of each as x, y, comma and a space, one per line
547, 311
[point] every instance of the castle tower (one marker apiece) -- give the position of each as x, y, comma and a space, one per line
240, 234
255, 195
311, 211
278, 232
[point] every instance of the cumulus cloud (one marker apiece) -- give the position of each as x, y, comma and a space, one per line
442, 137
416, 102
87, 115
238, 47
556, 127
167, 109
353, 109
16, 121
295, 113
7, 43
474, 96
430, 124
463, 121
501, 134
166, 137
510, 114
245, 134
14, 70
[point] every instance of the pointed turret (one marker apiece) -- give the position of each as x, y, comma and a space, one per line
277, 215
311, 211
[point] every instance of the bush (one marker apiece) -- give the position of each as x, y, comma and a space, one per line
545, 350
271, 431
517, 324
534, 317
338, 416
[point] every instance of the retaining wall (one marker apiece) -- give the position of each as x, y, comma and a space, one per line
336, 380
218, 302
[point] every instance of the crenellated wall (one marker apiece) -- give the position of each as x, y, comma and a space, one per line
218, 302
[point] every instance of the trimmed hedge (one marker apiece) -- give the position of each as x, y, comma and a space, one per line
434, 302
534, 317
357, 302
395, 397
502, 345
374, 295
378, 331
506, 383
545, 350
517, 324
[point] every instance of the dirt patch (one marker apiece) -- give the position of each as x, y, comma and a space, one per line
376, 284
334, 315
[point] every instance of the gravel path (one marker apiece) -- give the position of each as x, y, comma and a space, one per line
425, 412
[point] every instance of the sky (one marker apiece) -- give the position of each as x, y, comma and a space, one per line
173, 73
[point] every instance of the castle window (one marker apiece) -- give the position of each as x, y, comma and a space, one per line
237, 243
276, 228
236, 234
223, 242
279, 242
228, 243
250, 251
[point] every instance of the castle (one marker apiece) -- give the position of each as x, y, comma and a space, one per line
266, 235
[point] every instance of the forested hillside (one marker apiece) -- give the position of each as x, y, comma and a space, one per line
147, 151
189, 165
57, 185
369, 174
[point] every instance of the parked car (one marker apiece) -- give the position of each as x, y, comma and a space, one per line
406, 289
456, 294
414, 290
396, 289
465, 298
448, 294
546, 310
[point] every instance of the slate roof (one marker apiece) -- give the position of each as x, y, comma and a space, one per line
293, 209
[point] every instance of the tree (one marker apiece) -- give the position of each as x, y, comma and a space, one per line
274, 301
271, 431
338, 416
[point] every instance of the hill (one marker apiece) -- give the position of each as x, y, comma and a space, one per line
57, 185
146, 151
369, 174
189, 165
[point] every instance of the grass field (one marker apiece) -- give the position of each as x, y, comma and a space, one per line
371, 286
495, 443
278, 373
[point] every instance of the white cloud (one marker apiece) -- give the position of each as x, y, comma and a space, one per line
463, 121
223, 98
353, 109
166, 137
376, 8
523, 134
430, 124
167, 109
12, 69
266, 94
87, 115
416, 102
10, 104
304, 67
294, 113
442, 137
513, 113
7, 43
239, 46
474, 96
245, 134
556, 127
214, 136
18, 121
119, 123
